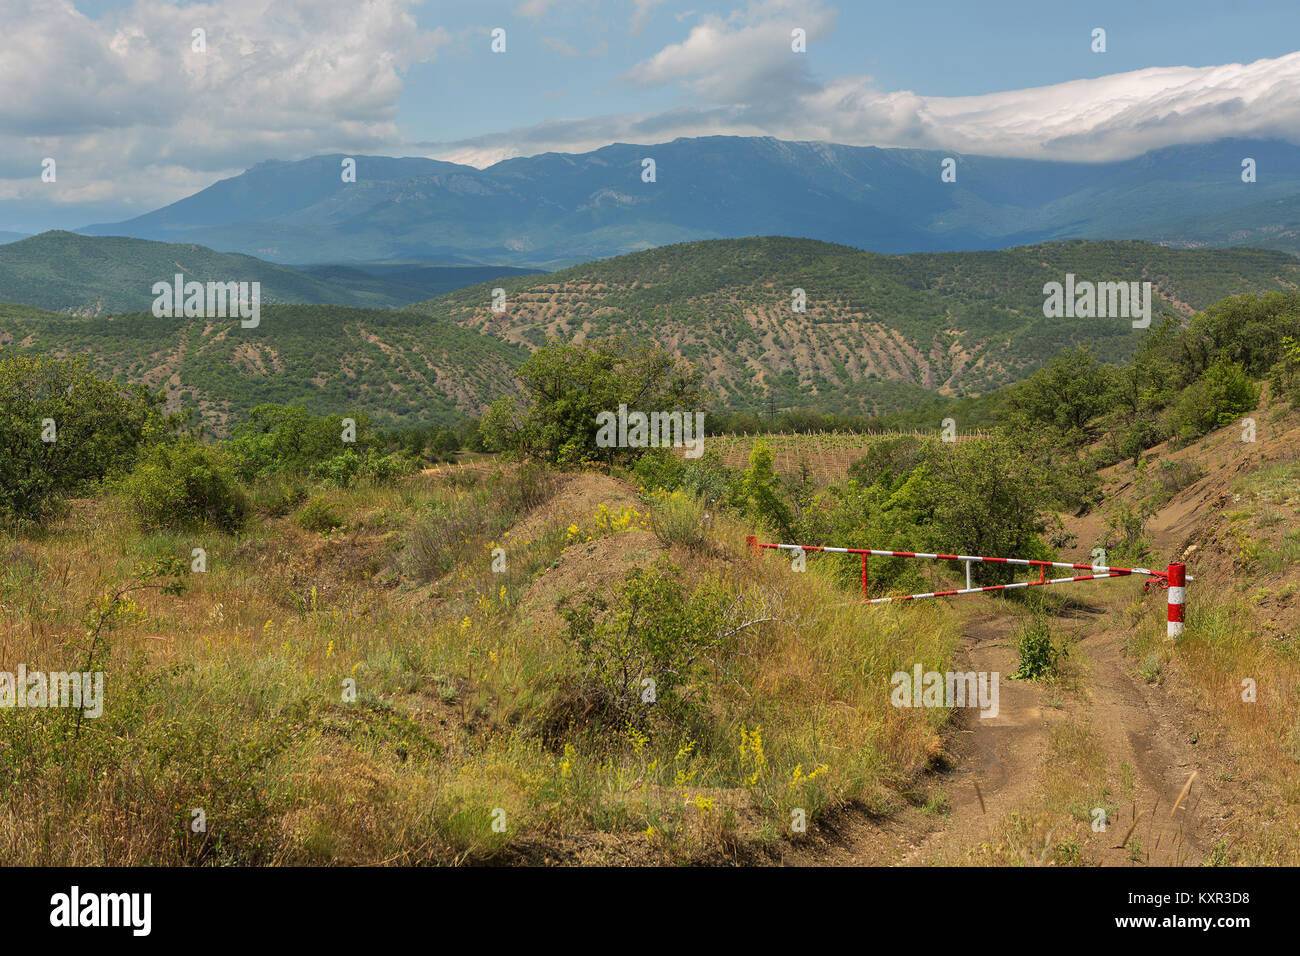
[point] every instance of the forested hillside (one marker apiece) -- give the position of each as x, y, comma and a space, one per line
877, 329
397, 367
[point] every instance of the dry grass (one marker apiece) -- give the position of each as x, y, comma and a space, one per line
230, 699
1221, 654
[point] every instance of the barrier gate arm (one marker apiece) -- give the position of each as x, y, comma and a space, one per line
1174, 579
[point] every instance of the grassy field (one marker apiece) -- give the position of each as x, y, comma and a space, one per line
232, 736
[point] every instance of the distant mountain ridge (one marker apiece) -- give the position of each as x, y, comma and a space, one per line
103, 275
559, 209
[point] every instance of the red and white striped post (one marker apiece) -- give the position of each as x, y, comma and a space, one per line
1177, 596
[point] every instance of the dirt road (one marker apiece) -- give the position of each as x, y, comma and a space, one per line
1148, 738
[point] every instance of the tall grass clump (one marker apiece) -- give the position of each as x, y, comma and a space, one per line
680, 518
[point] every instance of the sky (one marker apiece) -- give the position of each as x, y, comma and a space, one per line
135, 117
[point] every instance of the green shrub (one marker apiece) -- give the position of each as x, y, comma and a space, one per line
277, 439
678, 518
758, 493
444, 534
706, 477
658, 468
1167, 479
888, 459
1038, 656
564, 389
344, 469
644, 655
525, 489
461, 524
185, 483
1284, 376
278, 495
63, 429
1222, 394
319, 515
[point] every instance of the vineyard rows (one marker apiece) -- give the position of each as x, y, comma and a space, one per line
826, 455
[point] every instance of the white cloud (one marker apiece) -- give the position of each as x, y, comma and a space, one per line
559, 45
123, 99
1092, 120
743, 57
642, 11
132, 115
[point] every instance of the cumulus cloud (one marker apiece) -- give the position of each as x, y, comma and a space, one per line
123, 102
131, 113
642, 11
743, 80
745, 57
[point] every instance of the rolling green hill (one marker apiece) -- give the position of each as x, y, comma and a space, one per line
398, 367
878, 330
89, 275
103, 275
881, 334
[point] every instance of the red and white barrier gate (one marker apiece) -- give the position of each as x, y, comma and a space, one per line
1174, 579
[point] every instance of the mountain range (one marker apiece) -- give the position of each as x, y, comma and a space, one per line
558, 209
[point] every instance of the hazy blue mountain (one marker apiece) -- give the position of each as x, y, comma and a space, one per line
558, 209
93, 275
1273, 224
11, 237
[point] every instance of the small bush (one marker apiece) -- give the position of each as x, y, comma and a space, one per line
1151, 669
184, 483
655, 630
277, 496
658, 468
443, 535
1038, 656
529, 487
1169, 478
344, 470
706, 477
679, 518
1222, 394
319, 515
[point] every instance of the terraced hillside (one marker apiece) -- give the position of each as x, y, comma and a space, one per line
880, 333
397, 367
877, 329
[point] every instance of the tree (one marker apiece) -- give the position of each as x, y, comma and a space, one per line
759, 493
565, 387
62, 429
276, 438
1062, 398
